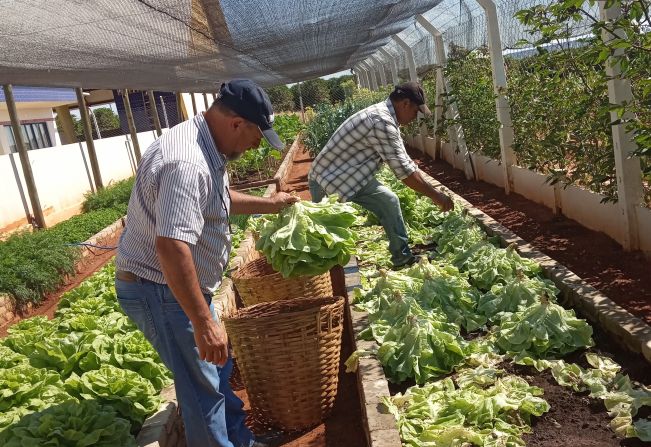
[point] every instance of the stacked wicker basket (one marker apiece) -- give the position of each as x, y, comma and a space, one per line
287, 341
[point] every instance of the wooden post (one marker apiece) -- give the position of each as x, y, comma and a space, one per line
194, 105
88, 133
24, 158
630, 192
154, 112
205, 101
179, 107
132, 126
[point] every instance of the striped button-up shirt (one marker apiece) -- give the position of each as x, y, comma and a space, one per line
357, 149
181, 192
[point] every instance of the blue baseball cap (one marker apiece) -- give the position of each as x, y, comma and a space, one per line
249, 101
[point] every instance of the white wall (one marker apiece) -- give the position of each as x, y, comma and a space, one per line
63, 175
579, 204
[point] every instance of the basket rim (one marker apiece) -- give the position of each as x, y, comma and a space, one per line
318, 302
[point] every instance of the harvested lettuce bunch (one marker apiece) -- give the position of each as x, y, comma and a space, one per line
543, 330
484, 408
308, 238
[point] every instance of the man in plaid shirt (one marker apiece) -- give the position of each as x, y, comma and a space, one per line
354, 154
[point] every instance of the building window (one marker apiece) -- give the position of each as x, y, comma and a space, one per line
35, 136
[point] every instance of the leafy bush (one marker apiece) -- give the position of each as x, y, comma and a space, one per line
262, 163
34, 264
113, 196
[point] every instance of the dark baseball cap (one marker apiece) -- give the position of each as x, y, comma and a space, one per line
415, 93
249, 101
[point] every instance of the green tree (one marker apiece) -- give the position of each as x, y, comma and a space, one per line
281, 98
314, 91
336, 88
106, 119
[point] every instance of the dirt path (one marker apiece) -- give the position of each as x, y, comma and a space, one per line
622, 276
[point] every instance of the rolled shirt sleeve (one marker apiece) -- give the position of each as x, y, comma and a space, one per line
181, 199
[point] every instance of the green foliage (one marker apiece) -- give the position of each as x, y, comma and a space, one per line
34, 264
89, 354
262, 163
308, 238
72, 424
314, 91
113, 196
329, 117
281, 98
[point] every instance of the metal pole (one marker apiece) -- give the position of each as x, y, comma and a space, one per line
154, 112
194, 104
455, 132
92, 114
392, 65
413, 75
362, 76
300, 100
90, 144
214, 97
630, 192
132, 125
205, 101
371, 74
24, 158
502, 105
380, 68
162, 105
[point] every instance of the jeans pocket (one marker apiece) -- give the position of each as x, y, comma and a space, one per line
132, 297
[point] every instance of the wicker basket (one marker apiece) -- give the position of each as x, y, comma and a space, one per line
288, 355
257, 282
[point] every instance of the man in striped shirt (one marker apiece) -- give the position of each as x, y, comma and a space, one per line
174, 249
354, 154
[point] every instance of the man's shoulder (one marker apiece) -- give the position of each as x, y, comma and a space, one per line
181, 145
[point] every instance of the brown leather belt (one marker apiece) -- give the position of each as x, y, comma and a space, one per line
123, 275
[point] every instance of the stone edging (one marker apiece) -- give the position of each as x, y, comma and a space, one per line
379, 425
629, 332
7, 304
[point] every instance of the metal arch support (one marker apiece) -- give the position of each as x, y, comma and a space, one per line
380, 69
358, 77
371, 74
366, 82
499, 85
455, 132
630, 192
413, 75
392, 65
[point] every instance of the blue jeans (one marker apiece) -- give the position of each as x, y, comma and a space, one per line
384, 203
212, 413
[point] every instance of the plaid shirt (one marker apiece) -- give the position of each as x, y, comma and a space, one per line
355, 152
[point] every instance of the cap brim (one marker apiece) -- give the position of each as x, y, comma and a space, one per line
424, 109
273, 139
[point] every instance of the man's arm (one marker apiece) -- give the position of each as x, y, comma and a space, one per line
246, 204
178, 269
416, 182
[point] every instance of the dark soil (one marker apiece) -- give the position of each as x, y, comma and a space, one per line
624, 277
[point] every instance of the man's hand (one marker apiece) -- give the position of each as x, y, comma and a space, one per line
212, 342
443, 201
282, 200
